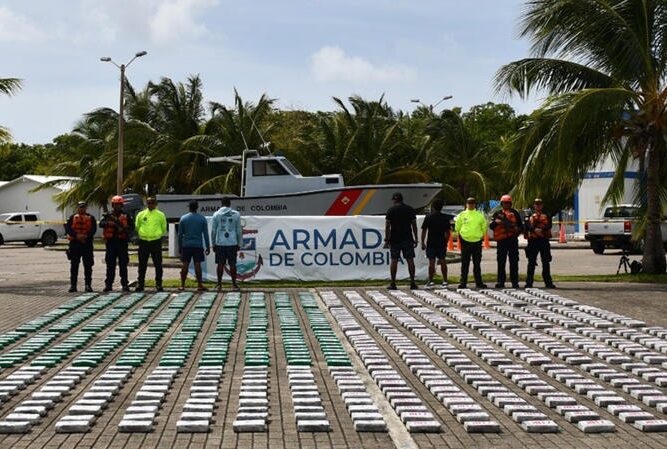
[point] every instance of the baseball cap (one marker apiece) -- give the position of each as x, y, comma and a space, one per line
81, 204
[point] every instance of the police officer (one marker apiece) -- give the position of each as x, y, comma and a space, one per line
116, 232
538, 233
507, 226
151, 224
471, 227
81, 228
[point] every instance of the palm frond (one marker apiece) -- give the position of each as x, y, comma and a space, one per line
553, 76
9, 86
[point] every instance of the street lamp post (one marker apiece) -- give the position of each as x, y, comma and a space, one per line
432, 106
121, 119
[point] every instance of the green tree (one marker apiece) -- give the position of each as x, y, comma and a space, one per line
88, 153
469, 163
603, 62
493, 123
229, 131
366, 143
21, 159
8, 86
295, 134
175, 112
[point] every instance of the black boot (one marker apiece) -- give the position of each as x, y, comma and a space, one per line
89, 288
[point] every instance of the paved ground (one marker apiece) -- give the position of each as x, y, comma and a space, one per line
27, 290
47, 270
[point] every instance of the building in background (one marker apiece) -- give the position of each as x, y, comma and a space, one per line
19, 195
588, 203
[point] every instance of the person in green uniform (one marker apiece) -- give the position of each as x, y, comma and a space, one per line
471, 226
151, 224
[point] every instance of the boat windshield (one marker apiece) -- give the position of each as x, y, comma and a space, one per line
292, 169
267, 167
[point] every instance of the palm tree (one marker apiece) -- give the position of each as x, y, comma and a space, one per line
228, 132
367, 143
175, 112
468, 164
176, 156
604, 65
90, 154
8, 86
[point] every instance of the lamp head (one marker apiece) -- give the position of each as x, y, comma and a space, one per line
140, 54
105, 59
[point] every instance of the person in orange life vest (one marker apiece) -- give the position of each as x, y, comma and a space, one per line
538, 233
116, 232
507, 226
81, 228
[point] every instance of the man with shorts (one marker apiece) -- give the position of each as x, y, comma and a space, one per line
435, 234
227, 236
192, 237
400, 233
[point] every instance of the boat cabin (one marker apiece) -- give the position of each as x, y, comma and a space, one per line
273, 175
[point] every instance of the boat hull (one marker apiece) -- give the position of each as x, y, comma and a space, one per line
353, 200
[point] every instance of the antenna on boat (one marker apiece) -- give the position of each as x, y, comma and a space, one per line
245, 144
264, 144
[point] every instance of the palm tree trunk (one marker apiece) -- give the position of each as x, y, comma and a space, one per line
654, 251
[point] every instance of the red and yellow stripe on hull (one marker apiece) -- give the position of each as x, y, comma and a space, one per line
344, 202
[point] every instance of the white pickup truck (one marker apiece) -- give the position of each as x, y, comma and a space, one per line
27, 227
614, 230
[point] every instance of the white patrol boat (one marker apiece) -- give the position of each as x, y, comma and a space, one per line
271, 185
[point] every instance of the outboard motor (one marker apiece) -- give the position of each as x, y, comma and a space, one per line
133, 204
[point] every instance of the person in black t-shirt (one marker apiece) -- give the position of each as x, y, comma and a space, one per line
435, 234
400, 233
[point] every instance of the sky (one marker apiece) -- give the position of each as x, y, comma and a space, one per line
300, 52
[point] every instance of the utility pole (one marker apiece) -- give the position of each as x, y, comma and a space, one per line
121, 118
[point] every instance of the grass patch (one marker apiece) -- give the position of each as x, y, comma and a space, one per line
641, 278
191, 283
489, 279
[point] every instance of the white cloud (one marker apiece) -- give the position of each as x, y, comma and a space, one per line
17, 28
159, 22
175, 19
332, 64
